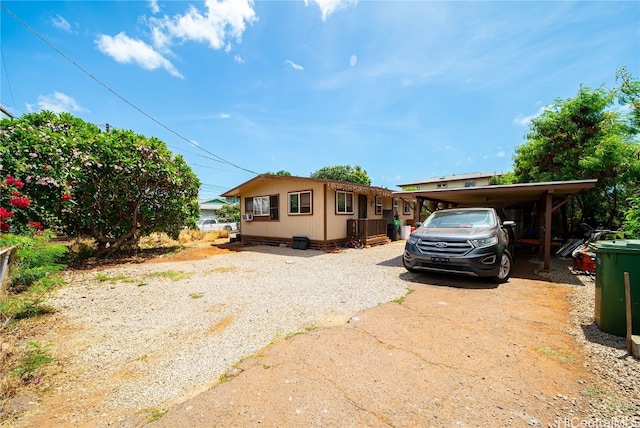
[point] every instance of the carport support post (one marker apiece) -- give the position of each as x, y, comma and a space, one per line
548, 206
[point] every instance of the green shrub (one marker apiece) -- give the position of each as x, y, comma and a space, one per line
632, 219
33, 269
33, 259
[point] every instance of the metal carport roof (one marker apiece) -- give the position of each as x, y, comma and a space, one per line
509, 195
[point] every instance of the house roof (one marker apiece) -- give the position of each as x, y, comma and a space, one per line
332, 184
454, 177
213, 201
502, 195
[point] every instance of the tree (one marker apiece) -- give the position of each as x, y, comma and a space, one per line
230, 211
281, 172
113, 186
583, 138
632, 219
629, 95
343, 173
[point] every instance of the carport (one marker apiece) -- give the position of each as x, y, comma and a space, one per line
548, 195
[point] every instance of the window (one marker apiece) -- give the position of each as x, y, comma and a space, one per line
378, 205
300, 202
344, 202
470, 183
442, 185
406, 207
262, 206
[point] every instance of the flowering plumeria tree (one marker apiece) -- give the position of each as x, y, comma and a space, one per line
13, 202
112, 186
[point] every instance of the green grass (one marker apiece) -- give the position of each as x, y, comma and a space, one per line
196, 295
222, 270
400, 300
592, 391
155, 414
174, 275
37, 355
298, 333
561, 355
103, 277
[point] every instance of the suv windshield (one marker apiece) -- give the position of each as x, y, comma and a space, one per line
457, 219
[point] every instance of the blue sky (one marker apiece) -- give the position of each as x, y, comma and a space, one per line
405, 89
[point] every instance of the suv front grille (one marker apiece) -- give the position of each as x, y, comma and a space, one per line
446, 248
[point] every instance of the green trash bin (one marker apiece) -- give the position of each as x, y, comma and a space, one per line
613, 259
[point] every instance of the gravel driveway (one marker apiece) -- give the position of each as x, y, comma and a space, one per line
133, 340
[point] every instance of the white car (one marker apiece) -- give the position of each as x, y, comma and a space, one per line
209, 224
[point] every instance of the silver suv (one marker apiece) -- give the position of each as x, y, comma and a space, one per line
470, 241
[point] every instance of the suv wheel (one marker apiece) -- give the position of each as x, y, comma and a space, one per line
506, 263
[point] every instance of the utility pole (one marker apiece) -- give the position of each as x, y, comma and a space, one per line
5, 111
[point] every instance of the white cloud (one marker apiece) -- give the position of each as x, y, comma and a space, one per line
500, 154
238, 59
57, 103
222, 20
127, 50
294, 65
153, 5
224, 116
526, 120
61, 24
353, 60
327, 7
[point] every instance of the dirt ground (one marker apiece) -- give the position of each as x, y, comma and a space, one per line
454, 352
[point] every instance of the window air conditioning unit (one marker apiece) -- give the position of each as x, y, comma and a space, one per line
247, 217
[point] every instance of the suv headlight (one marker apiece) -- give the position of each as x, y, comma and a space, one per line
412, 240
484, 242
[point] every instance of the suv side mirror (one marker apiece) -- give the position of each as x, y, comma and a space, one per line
509, 223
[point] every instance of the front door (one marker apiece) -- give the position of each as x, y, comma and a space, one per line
362, 206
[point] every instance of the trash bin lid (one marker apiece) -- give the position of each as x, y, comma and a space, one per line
628, 246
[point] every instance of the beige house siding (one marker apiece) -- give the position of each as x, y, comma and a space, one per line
323, 225
452, 184
309, 225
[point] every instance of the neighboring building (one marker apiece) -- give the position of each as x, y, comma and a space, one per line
474, 179
275, 209
209, 207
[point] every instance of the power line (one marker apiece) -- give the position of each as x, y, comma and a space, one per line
104, 85
6, 72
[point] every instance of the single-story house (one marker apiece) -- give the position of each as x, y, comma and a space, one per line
325, 213
209, 207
